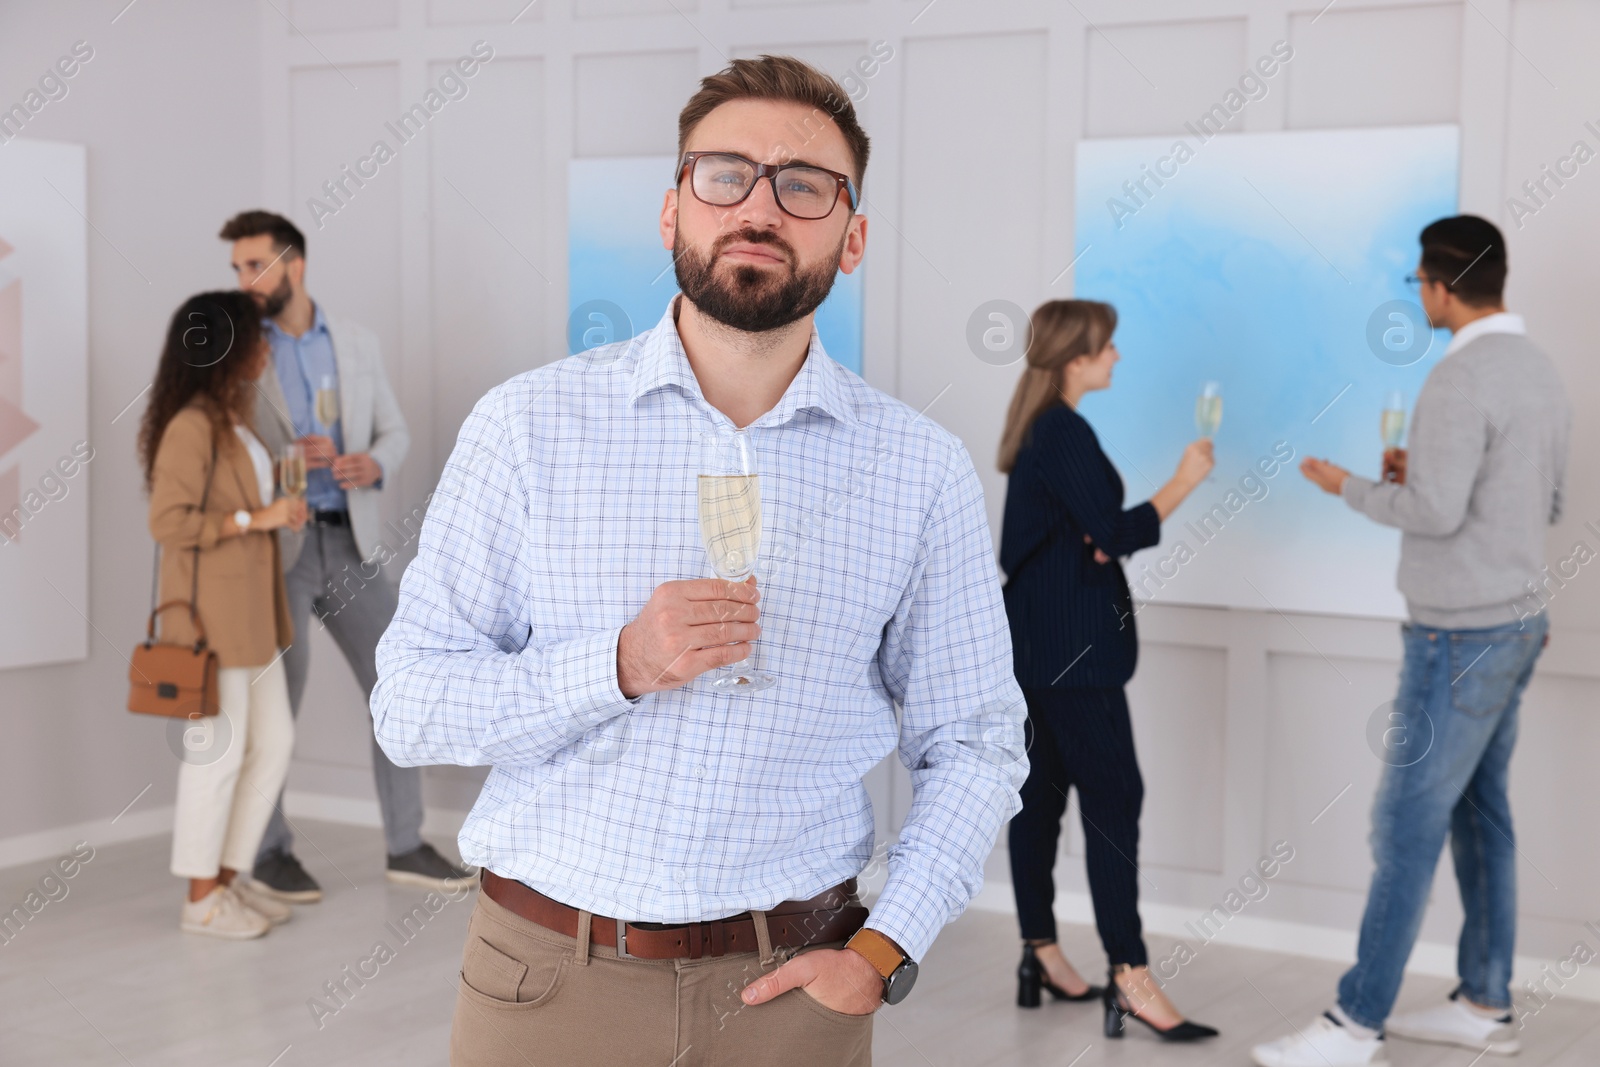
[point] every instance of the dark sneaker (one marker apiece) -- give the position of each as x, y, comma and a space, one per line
280, 875
425, 867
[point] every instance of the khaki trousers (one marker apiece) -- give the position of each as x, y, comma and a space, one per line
530, 997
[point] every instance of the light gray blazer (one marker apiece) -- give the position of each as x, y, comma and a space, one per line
369, 418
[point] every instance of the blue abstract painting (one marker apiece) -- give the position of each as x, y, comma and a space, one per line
1273, 264
615, 261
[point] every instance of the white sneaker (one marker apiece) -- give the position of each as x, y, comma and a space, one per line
252, 897
1454, 1023
1324, 1043
221, 913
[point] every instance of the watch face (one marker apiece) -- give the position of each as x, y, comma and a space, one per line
898, 984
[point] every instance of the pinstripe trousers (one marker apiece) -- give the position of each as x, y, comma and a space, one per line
1082, 738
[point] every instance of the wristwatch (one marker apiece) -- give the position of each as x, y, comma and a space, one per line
241, 519
899, 971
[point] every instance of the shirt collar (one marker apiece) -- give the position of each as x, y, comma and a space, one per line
319, 324
819, 386
1499, 322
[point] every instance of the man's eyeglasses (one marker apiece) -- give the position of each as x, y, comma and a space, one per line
723, 179
1417, 281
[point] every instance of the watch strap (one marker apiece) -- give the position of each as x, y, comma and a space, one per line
878, 950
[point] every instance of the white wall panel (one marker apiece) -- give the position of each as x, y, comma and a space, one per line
612, 118
491, 265
972, 144
603, 8
492, 12
311, 16
1320, 772
1552, 107
1177, 700
1395, 66
1151, 79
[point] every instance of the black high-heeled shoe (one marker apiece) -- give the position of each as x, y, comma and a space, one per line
1032, 979
1117, 1016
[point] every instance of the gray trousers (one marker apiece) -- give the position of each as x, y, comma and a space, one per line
328, 579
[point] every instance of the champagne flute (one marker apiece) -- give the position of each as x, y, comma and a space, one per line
328, 401
1208, 410
729, 494
292, 469
1392, 423
1208, 413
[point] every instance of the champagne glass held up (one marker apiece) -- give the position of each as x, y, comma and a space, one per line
729, 493
328, 402
1208, 413
1208, 410
1392, 425
292, 469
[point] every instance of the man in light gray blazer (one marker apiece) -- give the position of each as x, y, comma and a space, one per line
355, 441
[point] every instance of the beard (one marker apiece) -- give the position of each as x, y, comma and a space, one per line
750, 298
273, 303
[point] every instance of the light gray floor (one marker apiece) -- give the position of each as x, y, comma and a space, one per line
103, 976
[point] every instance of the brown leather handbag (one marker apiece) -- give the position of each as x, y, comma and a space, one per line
178, 681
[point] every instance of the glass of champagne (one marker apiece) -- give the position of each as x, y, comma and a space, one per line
1392, 423
729, 494
1208, 413
1208, 410
292, 469
328, 401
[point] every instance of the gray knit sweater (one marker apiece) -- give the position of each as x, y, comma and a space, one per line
1486, 462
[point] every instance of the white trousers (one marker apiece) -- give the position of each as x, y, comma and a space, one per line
234, 764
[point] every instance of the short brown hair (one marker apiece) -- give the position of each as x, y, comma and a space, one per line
284, 233
779, 78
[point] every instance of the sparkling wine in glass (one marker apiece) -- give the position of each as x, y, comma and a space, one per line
1392, 423
292, 469
729, 491
1208, 410
328, 401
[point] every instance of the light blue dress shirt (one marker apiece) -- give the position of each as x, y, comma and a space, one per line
569, 497
301, 363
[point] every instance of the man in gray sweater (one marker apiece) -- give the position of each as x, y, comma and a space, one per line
1474, 496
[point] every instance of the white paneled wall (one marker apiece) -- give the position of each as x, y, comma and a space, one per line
1251, 727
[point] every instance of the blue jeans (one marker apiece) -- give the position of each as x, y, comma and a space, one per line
1447, 745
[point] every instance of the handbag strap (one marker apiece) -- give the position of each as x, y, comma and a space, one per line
194, 590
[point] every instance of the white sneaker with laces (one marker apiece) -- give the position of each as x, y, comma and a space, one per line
221, 913
1455, 1023
1324, 1043
252, 897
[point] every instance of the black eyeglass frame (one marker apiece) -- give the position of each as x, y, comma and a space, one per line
770, 171
1417, 281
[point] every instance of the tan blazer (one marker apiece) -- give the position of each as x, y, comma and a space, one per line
242, 602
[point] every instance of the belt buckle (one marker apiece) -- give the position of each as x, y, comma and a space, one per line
622, 941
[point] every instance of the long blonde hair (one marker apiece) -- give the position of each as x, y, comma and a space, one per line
1059, 331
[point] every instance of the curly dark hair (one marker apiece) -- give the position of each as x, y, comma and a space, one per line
211, 344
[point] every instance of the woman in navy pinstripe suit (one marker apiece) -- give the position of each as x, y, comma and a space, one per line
1074, 648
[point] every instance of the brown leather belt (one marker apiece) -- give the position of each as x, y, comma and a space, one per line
833, 915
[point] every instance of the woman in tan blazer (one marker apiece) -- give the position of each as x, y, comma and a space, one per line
212, 509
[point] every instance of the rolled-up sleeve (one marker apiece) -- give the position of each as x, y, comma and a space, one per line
458, 682
946, 658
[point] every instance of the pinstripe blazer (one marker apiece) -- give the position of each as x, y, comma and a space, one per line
1071, 618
